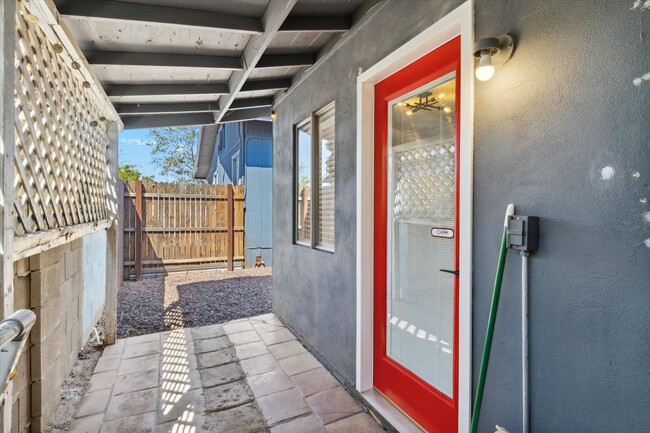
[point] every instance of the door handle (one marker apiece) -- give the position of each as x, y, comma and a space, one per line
449, 271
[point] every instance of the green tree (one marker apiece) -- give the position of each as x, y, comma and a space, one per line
128, 172
174, 151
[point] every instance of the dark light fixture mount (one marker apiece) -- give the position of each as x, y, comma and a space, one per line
425, 103
492, 52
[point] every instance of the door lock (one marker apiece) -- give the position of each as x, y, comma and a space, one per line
449, 271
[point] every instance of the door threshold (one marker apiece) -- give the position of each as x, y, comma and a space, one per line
395, 417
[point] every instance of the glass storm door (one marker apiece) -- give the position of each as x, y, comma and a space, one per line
416, 239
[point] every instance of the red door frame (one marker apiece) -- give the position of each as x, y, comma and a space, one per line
430, 408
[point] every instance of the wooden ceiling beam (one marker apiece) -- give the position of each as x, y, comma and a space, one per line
116, 10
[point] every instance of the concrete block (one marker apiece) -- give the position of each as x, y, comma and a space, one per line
48, 317
25, 414
333, 404
73, 263
222, 374
44, 285
22, 292
21, 267
283, 406
23, 372
44, 354
132, 403
45, 259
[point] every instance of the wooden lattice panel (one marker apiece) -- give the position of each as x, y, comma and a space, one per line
60, 138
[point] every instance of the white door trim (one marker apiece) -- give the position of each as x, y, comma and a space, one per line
458, 22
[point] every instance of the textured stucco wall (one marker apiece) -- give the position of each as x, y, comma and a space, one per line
313, 290
562, 131
546, 125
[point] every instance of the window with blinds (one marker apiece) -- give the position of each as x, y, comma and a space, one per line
315, 180
326, 170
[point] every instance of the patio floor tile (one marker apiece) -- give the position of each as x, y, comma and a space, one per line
314, 381
114, 349
244, 337
88, 424
305, 424
287, 349
204, 332
136, 381
299, 363
102, 380
226, 396
220, 357
259, 364
108, 363
235, 327
263, 328
241, 419
245, 376
142, 339
282, 406
181, 406
269, 383
94, 402
211, 344
360, 423
147, 348
333, 404
276, 337
221, 374
144, 423
141, 363
132, 403
251, 350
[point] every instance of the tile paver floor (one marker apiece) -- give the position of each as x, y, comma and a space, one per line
246, 376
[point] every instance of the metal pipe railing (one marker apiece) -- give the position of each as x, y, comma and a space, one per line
14, 332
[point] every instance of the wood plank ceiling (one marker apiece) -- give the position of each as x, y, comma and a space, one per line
200, 62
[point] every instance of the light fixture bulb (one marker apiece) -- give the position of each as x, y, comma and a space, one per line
485, 70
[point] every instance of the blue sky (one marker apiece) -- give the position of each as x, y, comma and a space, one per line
133, 150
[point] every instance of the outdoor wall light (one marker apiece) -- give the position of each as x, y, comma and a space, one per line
492, 52
273, 115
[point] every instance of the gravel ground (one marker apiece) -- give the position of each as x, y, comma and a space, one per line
192, 299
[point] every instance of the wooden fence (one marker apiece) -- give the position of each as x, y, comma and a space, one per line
178, 227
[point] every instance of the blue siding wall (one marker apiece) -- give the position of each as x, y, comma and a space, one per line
259, 178
94, 278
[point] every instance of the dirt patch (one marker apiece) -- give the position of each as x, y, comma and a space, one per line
192, 299
76, 384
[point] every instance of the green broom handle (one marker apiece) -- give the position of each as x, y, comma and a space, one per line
491, 320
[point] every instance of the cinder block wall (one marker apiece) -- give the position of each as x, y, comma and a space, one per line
51, 284
57, 300
22, 405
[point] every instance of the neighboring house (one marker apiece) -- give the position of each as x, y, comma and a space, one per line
242, 154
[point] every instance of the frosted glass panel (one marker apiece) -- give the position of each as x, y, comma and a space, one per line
421, 197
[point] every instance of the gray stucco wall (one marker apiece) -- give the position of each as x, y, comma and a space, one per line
312, 289
546, 125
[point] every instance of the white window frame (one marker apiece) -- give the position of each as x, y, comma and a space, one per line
315, 161
459, 22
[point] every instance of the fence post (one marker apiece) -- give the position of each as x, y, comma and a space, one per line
112, 283
7, 86
230, 245
139, 225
